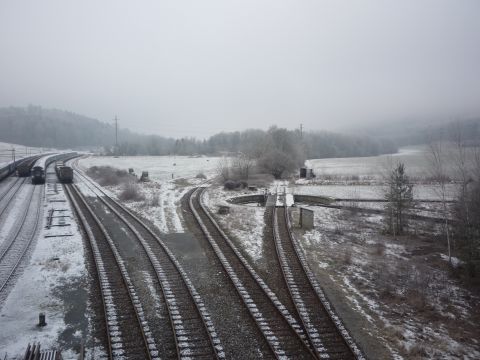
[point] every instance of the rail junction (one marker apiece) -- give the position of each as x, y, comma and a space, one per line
149, 307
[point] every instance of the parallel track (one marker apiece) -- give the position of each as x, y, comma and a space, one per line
280, 330
193, 330
15, 248
128, 335
328, 337
7, 197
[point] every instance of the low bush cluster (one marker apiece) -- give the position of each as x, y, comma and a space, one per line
234, 185
108, 176
131, 192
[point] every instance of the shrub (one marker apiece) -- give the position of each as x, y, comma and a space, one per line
201, 176
108, 176
131, 192
230, 185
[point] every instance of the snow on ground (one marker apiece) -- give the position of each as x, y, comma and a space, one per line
420, 191
158, 167
13, 212
162, 194
20, 152
246, 223
57, 262
415, 159
401, 287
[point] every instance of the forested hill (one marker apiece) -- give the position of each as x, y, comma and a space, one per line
35, 126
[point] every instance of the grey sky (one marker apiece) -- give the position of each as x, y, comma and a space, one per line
193, 68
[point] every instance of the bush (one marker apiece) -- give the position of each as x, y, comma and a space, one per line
201, 176
230, 185
131, 192
108, 176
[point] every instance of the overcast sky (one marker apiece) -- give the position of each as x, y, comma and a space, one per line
194, 68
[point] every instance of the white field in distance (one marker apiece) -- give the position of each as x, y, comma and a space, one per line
158, 167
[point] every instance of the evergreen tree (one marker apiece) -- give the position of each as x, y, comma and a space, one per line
399, 196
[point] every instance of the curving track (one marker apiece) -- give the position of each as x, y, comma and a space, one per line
280, 330
127, 333
325, 332
192, 332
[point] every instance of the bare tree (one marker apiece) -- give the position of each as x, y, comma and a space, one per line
438, 158
242, 165
223, 168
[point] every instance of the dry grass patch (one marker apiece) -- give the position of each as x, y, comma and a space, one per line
131, 192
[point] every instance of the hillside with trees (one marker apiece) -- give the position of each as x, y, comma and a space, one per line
35, 126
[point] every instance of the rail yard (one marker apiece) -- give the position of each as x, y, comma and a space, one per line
153, 294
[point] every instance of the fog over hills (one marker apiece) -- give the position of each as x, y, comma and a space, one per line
39, 127
36, 126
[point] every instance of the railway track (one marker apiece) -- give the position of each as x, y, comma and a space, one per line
7, 197
15, 248
128, 335
194, 334
325, 331
284, 336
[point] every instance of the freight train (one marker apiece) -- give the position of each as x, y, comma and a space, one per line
64, 173
38, 171
24, 164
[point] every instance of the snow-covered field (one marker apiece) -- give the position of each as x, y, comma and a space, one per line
159, 167
416, 160
374, 192
163, 192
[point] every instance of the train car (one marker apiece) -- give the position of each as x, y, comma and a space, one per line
38, 175
23, 170
64, 173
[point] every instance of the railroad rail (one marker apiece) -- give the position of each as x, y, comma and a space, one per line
16, 247
325, 331
7, 196
193, 330
283, 334
128, 335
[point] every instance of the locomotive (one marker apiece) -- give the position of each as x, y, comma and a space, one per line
38, 175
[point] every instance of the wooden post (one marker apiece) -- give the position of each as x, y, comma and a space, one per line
41, 320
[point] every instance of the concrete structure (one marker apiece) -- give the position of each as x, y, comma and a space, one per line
306, 173
306, 219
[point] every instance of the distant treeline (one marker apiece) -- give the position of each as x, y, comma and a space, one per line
38, 127
417, 132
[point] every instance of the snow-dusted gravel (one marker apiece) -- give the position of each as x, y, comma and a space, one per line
52, 283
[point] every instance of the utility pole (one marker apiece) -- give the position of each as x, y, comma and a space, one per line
12, 153
116, 136
301, 131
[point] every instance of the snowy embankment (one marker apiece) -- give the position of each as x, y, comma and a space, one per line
7, 151
401, 288
170, 178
